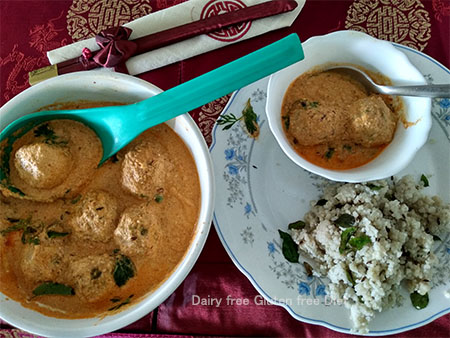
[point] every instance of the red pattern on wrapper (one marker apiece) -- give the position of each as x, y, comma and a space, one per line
112, 40
23, 48
217, 7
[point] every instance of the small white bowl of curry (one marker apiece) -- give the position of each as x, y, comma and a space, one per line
327, 123
88, 249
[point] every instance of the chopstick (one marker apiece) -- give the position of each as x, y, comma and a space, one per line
173, 35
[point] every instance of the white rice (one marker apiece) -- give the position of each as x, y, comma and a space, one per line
399, 220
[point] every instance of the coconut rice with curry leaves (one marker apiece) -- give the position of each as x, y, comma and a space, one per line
369, 239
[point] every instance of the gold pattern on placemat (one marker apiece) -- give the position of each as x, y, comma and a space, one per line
402, 21
21, 59
15, 333
86, 18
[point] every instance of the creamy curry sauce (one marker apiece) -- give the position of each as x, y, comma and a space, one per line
96, 239
331, 121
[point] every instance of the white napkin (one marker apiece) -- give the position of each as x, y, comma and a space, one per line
183, 13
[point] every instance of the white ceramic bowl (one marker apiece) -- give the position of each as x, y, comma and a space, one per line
372, 54
107, 86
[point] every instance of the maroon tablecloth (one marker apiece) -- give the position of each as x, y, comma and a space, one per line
29, 28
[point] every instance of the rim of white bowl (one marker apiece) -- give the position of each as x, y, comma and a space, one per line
31, 321
368, 171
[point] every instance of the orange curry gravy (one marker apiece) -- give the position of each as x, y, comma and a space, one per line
97, 239
331, 121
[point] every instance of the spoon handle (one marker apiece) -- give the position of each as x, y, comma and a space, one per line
218, 82
433, 90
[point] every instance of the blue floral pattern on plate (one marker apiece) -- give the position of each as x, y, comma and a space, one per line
260, 191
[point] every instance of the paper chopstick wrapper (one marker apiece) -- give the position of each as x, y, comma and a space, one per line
183, 13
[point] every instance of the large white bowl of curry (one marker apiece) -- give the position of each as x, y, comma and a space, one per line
328, 124
86, 250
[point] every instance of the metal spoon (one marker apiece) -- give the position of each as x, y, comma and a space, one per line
429, 90
116, 126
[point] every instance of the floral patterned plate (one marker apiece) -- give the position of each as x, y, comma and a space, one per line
260, 191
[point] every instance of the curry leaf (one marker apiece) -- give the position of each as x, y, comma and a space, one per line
419, 301
12, 228
329, 153
345, 221
436, 238
321, 202
425, 181
29, 233
345, 237
374, 187
304, 104
55, 234
123, 270
359, 242
44, 130
15, 190
51, 288
296, 225
350, 277
76, 199
96, 273
49, 135
118, 306
389, 197
289, 248
250, 119
287, 121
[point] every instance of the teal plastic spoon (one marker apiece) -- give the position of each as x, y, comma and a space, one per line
116, 126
